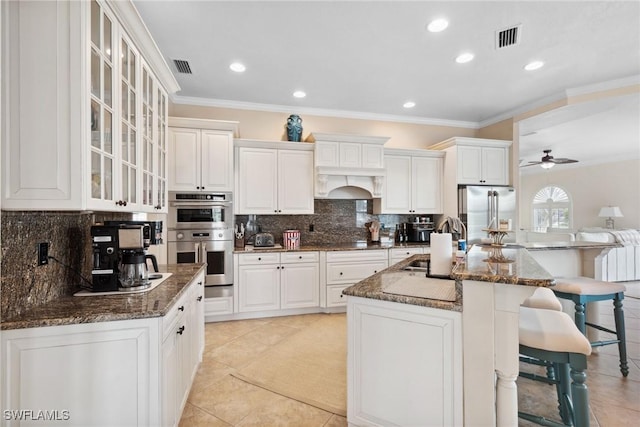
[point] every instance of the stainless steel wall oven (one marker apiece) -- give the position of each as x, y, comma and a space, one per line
200, 230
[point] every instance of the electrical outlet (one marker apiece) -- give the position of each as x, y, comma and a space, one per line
43, 253
311, 227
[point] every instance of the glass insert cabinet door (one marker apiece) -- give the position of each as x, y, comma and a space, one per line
128, 123
101, 114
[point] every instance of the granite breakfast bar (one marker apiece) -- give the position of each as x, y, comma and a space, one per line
419, 347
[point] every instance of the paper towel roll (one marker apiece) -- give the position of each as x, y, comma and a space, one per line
441, 252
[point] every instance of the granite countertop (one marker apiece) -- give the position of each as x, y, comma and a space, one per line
351, 246
372, 287
537, 246
89, 309
511, 264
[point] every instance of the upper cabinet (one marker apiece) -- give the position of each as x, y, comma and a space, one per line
343, 161
413, 183
477, 161
85, 108
273, 177
201, 154
472, 161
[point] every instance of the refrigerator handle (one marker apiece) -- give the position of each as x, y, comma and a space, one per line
490, 210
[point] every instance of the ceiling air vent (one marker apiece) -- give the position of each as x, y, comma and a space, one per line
508, 37
182, 66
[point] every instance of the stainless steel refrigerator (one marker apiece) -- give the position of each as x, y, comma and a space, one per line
480, 206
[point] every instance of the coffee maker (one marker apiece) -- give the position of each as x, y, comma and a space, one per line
119, 256
151, 233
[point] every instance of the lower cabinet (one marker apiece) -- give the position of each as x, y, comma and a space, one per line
345, 268
116, 373
416, 352
275, 281
182, 347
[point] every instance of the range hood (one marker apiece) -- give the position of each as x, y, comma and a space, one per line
348, 166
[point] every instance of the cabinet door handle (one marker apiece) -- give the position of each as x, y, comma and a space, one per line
300, 257
199, 298
180, 330
181, 308
341, 295
259, 259
199, 283
375, 271
341, 273
278, 268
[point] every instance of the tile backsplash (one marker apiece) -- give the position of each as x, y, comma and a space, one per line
333, 221
24, 283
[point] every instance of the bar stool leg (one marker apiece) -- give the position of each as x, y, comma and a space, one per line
579, 391
618, 314
580, 317
563, 389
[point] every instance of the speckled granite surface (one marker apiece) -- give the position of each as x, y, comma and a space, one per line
486, 264
513, 265
372, 287
333, 247
67, 310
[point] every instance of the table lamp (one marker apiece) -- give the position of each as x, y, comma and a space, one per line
610, 212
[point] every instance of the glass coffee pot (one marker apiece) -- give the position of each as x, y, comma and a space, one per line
133, 271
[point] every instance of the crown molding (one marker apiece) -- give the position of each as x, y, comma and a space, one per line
324, 112
563, 96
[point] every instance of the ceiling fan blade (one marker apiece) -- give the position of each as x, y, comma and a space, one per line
563, 161
530, 164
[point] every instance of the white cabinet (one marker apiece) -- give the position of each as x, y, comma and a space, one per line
413, 183
99, 98
482, 165
423, 385
273, 281
348, 151
274, 178
142, 367
201, 154
345, 268
182, 347
399, 254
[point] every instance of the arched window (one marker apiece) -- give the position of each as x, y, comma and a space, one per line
551, 209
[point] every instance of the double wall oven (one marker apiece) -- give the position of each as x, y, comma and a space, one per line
200, 229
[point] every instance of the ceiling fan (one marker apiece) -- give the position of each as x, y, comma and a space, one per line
548, 161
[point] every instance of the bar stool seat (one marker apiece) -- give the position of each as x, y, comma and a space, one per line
583, 290
552, 336
543, 298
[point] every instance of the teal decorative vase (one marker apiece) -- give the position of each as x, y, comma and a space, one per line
294, 128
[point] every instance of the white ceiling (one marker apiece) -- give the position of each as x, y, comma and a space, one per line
366, 58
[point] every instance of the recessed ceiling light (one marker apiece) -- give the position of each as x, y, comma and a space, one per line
237, 67
437, 25
534, 65
409, 104
299, 94
464, 57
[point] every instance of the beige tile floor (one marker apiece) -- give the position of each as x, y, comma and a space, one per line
218, 399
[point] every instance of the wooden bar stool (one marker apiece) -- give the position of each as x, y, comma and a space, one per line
551, 335
582, 290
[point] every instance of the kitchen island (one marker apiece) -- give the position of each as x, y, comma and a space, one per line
106, 360
407, 355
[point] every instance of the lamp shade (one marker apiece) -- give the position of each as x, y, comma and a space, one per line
610, 212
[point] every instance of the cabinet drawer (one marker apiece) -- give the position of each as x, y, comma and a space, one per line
222, 305
364, 255
293, 257
405, 252
174, 316
352, 272
259, 258
335, 297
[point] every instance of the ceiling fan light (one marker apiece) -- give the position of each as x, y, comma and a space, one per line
547, 165
437, 25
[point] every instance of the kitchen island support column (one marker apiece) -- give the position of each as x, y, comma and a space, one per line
490, 342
